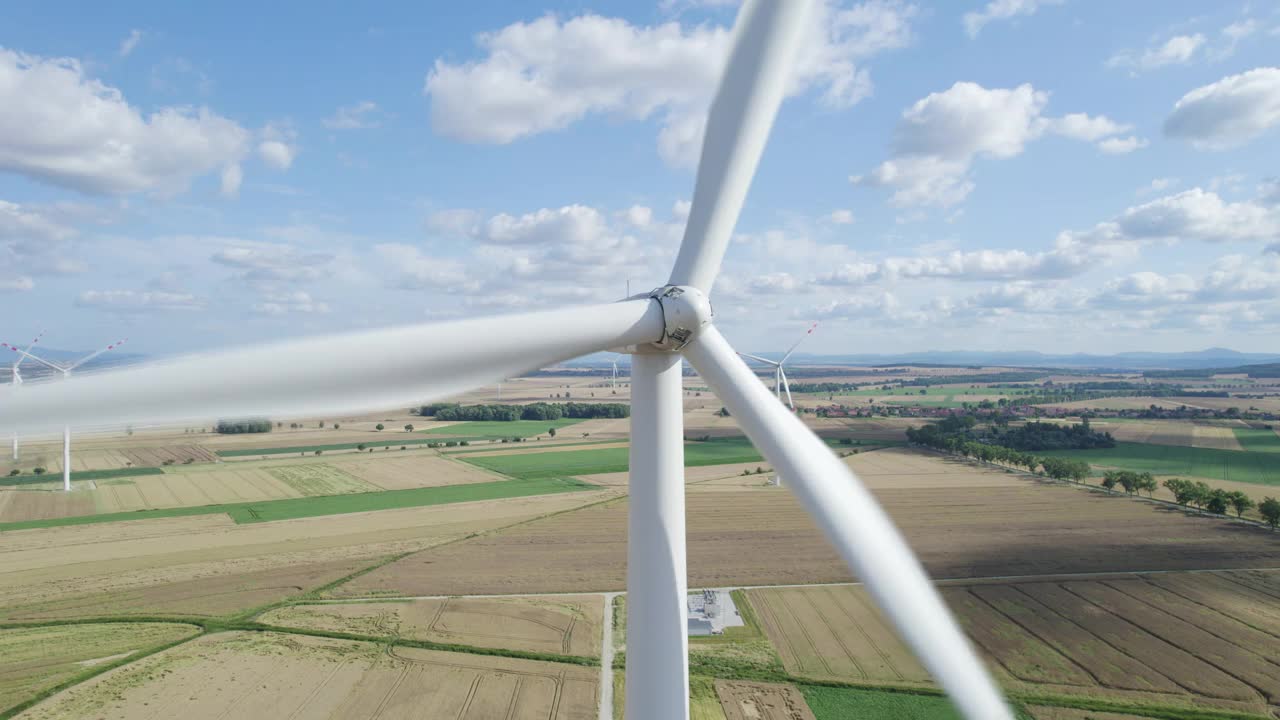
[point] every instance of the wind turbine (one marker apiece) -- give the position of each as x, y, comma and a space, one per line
780, 375
301, 378
17, 380
66, 373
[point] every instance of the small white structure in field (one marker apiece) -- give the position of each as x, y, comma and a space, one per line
711, 611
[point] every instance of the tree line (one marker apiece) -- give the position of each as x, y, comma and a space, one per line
532, 411
236, 427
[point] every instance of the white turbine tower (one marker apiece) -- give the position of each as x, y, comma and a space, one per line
300, 378
779, 374
66, 373
17, 380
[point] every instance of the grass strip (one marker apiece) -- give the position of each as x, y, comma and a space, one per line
31, 479
293, 508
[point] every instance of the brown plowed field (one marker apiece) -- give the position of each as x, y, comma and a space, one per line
267, 675
562, 625
988, 523
1141, 638
761, 701
21, 504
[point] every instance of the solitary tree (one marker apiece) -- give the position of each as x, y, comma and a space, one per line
380, 426
1241, 503
1270, 509
408, 428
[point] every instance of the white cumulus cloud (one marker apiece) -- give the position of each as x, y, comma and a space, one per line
59, 125
1229, 112
939, 137
547, 74
1001, 10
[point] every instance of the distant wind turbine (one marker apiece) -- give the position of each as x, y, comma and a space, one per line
66, 373
779, 375
17, 380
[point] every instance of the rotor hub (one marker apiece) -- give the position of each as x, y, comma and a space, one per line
685, 311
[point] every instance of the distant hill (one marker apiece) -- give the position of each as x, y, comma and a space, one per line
1132, 361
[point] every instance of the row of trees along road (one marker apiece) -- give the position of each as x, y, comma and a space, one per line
532, 411
951, 435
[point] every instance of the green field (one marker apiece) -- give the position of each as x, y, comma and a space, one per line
483, 430
292, 508
1258, 439
1262, 468
720, 451
381, 441
830, 703
56, 476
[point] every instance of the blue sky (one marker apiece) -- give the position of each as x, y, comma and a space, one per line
1017, 174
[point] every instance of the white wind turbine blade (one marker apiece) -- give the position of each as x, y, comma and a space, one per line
855, 524
766, 37
30, 345
312, 376
95, 354
760, 359
806, 334
36, 358
786, 386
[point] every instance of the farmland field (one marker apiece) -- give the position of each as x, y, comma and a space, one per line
988, 523
1262, 468
832, 703
416, 471
763, 701
500, 429
293, 508
269, 675
313, 480
1176, 639
1258, 439
379, 441
544, 624
38, 658
717, 451
208, 563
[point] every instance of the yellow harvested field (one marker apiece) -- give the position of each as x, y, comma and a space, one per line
564, 625
181, 489
26, 503
1209, 436
35, 659
80, 559
1178, 638
403, 473
761, 701
269, 675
